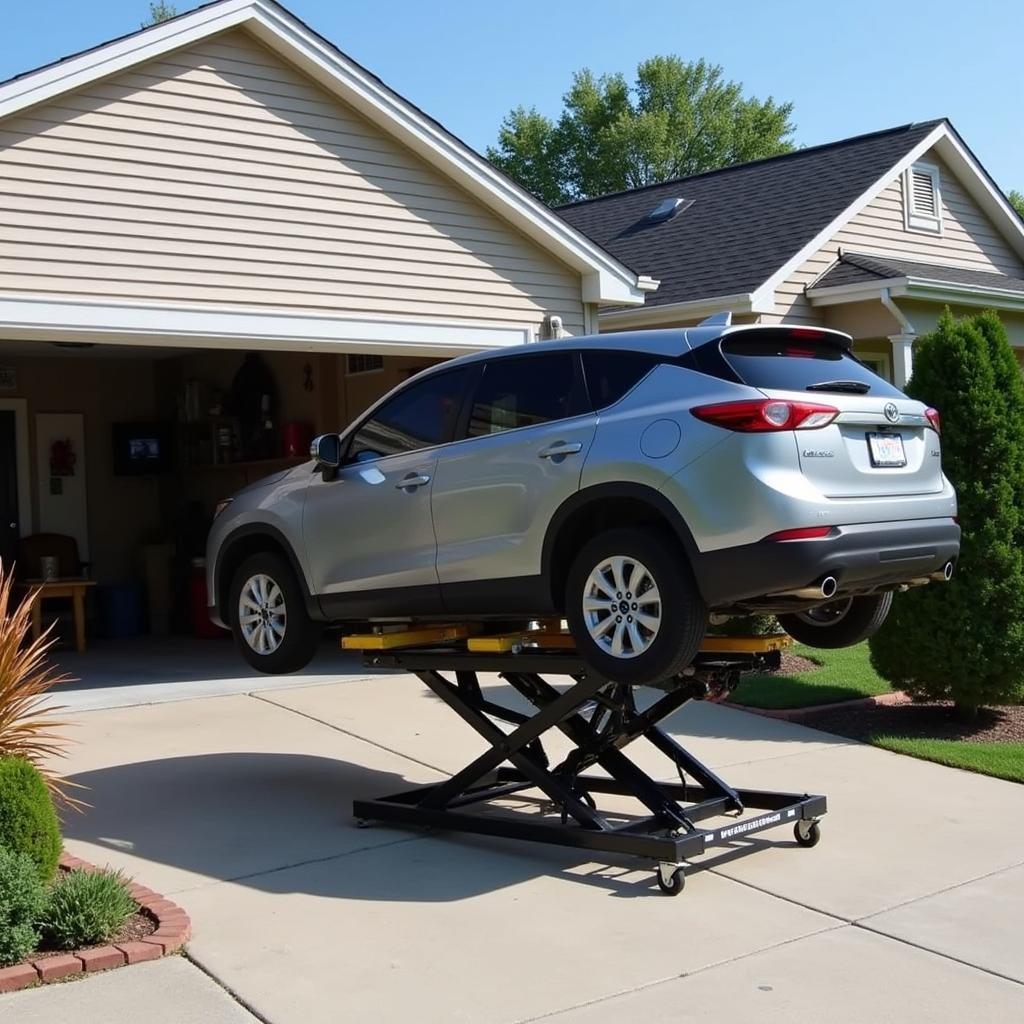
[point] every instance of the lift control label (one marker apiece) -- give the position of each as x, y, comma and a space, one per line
749, 826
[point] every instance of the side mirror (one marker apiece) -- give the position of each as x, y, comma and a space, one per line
326, 451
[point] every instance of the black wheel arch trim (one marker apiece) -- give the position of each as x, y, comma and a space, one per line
597, 493
280, 540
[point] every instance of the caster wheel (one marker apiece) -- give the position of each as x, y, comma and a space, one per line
672, 882
362, 823
807, 833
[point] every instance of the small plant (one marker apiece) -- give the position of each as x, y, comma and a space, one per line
26, 727
28, 822
22, 899
87, 907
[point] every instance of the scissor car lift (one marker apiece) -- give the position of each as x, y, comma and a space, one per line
601, 718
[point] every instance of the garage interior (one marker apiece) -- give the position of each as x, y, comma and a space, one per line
127, 449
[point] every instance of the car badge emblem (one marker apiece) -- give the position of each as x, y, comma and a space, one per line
892, 414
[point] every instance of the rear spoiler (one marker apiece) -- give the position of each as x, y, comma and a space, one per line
714, 329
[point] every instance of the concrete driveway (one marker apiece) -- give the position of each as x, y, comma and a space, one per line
908, 910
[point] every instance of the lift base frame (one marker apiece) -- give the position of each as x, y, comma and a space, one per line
600, 718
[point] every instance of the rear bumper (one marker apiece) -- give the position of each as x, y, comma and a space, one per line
860, 557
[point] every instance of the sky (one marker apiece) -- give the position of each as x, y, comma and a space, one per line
848, 67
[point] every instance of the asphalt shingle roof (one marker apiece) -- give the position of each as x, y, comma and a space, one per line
746, 221
855, 268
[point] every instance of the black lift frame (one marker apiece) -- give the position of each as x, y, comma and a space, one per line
601, 718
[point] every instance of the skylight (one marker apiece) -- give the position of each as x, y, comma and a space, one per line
667, 209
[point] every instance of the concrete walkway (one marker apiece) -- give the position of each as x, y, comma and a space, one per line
908, 910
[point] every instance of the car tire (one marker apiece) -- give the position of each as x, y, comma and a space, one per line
267, 612
839, 623
625, 638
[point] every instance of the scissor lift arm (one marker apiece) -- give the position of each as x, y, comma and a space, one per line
601, 719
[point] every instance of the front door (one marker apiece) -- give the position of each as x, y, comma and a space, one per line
9, 530
496, 490
369, 534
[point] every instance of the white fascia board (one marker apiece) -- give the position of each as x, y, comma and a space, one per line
979, 186
650, 316
918, 288
33, 320
859, 292
605, 279
120, 54
766, 292
963, 294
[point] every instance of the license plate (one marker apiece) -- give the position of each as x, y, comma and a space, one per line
886, 450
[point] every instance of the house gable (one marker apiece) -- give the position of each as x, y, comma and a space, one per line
220, 174
969, 239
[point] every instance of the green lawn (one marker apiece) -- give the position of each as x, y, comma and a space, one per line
1003, 760
845, 674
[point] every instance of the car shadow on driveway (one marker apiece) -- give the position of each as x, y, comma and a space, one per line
264, 820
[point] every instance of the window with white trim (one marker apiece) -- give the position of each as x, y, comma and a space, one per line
922, 198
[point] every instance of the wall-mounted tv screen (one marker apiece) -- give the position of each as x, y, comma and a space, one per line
141, 448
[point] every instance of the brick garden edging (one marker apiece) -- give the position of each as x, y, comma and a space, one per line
172, 932
795, 714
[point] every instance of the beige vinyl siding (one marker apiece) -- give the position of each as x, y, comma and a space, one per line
968, 240
219, 174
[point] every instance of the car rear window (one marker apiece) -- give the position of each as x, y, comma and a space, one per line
788, 362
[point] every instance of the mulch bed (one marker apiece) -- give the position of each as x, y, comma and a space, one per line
137, 927
791, 664
939, 721
159, 928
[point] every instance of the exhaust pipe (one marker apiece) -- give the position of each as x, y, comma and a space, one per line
944, 575
824, 590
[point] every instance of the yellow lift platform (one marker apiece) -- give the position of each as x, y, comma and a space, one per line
546, 635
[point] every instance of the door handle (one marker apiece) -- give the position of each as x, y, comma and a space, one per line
412, 481
560, 448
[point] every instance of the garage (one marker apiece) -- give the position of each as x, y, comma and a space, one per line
220, 237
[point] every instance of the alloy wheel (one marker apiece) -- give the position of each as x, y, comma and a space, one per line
262, 615
622, 607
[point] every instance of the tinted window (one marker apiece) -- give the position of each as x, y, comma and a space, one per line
525, 391
784, 361
611, 374
421, 415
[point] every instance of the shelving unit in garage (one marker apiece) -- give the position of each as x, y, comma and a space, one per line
600, 717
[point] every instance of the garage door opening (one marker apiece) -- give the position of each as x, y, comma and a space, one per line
115, 458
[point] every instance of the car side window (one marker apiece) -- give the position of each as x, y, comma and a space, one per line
523, 391
421, 415
610, 374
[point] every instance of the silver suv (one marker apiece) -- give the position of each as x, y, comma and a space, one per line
636, 484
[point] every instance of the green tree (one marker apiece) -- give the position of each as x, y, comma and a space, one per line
964, 640
678, 118
1017, 202
159, 11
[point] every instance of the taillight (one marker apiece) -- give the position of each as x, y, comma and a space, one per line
768, 414
933, 419
802, 533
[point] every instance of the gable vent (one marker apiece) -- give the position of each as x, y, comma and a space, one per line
922, 199
924, 193
667, 209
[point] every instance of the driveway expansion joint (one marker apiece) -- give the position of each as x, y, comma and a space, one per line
351, 735
644, 986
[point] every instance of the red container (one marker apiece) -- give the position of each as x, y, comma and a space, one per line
198, 614
296, 439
